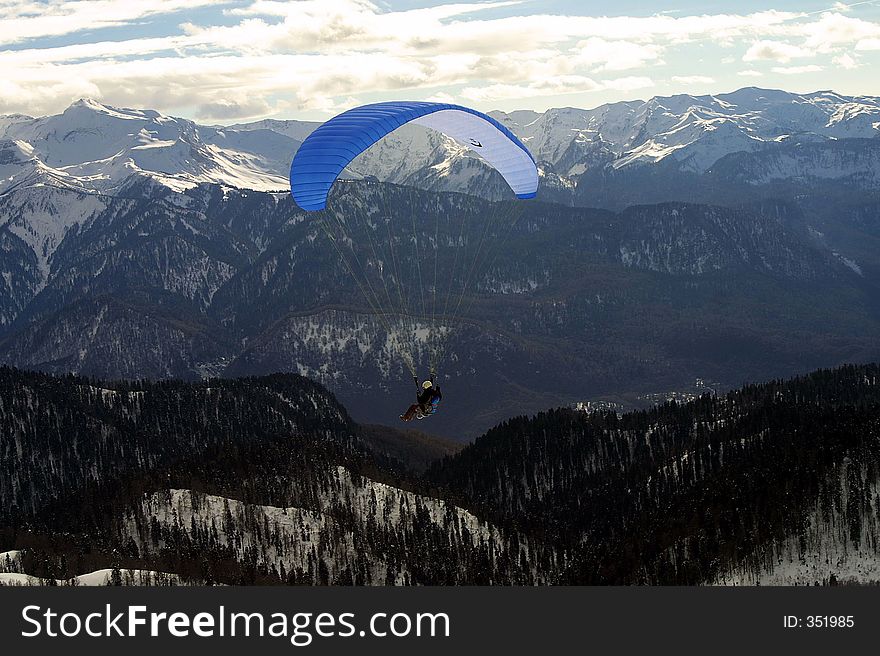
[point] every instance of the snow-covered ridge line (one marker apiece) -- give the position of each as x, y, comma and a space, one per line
95, 147
101, 577
322, 537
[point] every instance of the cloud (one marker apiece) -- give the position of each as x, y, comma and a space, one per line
99, 50
562, 85
775, 51
750, 73
632, 83
552, 87
692, 79
441, 97
834, 29
828, 34
24, 20
312, 55
797, 70
603, 55
226, 109
331, 106
868, 44
345, 25
845, 61
42, 97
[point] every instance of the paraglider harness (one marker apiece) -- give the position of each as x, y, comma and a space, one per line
428, 400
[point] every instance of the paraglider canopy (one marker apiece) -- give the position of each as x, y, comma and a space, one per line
416, 308
332, 147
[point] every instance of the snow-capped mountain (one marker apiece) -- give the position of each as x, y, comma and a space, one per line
95, 147
695, 131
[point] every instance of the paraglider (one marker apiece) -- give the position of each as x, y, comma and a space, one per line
325, 155
428, 397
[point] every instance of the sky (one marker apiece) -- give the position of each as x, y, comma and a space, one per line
243, 60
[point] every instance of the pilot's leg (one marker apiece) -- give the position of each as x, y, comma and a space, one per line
410, 412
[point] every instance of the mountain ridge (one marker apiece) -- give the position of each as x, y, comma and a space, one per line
579, 302
96, 147
267, 480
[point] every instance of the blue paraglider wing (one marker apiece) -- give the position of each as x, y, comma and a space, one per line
331, 147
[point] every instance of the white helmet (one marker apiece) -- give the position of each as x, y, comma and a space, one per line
427, 384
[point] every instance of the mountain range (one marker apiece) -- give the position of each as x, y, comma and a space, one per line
94, 147
728, 238
195, 389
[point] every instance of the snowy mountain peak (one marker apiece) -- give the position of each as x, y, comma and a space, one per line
695, 131
89, 103
121, 113
100, 148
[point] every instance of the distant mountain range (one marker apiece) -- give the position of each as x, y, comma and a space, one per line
732, 237
98, 148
